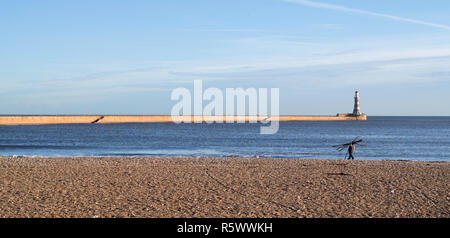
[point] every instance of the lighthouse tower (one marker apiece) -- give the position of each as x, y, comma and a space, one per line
356, 111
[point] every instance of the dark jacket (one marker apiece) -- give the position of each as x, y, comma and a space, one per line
351, 148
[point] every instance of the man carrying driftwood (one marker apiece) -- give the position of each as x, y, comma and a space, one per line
351, 147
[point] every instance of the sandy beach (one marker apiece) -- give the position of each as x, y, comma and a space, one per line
214, 187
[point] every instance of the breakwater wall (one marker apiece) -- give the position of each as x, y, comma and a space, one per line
85, 119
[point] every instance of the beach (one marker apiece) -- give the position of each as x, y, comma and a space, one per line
221, 187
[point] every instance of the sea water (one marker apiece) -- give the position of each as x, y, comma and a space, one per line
385, 138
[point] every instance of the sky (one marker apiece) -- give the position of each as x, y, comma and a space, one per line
126, 57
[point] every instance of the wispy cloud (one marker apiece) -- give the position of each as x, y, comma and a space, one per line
325, 64
224, 30
365, 12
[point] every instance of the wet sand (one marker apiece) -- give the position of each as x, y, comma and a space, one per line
212, 187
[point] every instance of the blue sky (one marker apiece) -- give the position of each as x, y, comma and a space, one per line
125, 57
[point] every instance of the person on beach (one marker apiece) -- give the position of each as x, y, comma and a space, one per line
351, 149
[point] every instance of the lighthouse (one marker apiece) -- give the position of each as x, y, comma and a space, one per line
356, 111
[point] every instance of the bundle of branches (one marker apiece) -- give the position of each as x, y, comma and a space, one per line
355, 141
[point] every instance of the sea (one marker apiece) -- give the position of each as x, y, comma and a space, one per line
384, 138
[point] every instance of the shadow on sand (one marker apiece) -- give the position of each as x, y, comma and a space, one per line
341, 173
